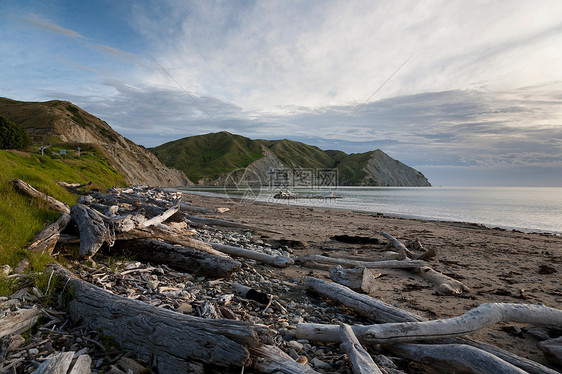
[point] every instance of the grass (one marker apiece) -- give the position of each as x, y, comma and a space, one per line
21, 217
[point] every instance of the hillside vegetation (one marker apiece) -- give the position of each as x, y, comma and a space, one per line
22, 217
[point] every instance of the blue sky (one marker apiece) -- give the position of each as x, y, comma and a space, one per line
468, 92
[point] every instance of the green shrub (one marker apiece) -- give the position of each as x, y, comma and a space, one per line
12, 136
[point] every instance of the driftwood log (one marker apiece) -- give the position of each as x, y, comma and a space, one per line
358, 279
162, 217
51, 201
385, 264
270, 359
93, 230
445, 285
361, 361
18, 321
46, 239
552, 350
277, 261
456, 357
166, 339
180, 257
379, 311
58, 364
224, 223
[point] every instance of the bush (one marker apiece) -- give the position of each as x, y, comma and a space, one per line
12, 136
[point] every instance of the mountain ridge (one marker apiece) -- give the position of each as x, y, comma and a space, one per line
61, 122
373, 168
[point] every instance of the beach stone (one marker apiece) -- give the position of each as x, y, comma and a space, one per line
185, 308
5, 270
296, 345
152, 284
319, 364
33, 352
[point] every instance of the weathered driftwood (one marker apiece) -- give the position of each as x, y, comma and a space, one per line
51, 201
456, 357
552, 350
18, 321
166, 339
386, 264
471, 321
224, 223
361, 361
93, 230
445, 285
180, 257
270, 359
73, 185
362, 304
369, 307
128, 222
58, 364
277, 261
162, 217
403, 252
46, 239
358, 279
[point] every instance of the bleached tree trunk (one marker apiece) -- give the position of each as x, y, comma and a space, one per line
385, 264
361, 361
51, 201
162, 217
93, 230
277, 261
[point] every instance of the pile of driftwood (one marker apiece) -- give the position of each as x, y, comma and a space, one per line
153, 225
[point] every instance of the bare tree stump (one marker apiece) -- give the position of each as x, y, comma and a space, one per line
30, 191
361, 361
46, 239
358, 279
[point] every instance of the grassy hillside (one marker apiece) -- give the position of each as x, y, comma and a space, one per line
297, 154
350, 168
22, 217
210, 155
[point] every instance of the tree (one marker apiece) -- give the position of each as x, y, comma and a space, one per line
12, 136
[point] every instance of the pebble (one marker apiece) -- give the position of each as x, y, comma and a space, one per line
185, 308
319, 364
295, 345
33, 351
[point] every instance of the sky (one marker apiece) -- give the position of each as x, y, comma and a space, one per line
467, 92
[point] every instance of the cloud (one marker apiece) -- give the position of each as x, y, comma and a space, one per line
48, 25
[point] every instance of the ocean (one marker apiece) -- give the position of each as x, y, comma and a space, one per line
528, 209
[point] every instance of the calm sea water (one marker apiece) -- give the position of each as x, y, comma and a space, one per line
522, 208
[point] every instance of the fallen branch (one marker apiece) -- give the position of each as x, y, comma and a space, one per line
166, 339
277, 261
93, 230
224, 223
46, 239
162, 217
445, 285
51, 201
361, 361
403, 252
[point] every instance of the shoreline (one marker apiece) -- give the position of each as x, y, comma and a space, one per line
496, 264
372, 212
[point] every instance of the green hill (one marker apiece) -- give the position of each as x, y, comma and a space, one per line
208, 158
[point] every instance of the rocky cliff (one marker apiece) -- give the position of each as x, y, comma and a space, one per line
55, 122
383, 170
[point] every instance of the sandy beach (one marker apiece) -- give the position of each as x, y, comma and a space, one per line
497, 265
